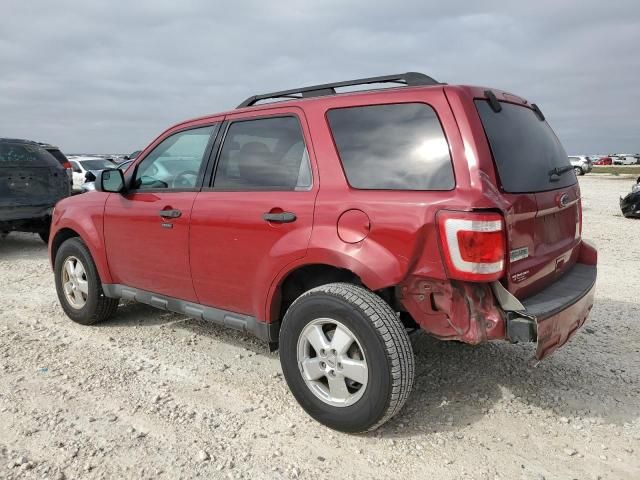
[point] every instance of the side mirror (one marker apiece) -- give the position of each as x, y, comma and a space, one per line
110, 180
89, 177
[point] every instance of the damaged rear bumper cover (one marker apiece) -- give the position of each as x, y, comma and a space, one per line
552, 316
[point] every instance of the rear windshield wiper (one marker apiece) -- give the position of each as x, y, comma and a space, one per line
559, 171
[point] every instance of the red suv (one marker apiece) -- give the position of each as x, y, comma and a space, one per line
331, 224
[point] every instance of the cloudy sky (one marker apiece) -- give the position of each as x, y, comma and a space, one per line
108, 76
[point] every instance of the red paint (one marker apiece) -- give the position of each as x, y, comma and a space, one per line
221, 252
145, 250
353, 226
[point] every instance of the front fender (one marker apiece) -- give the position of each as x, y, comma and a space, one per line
83, 214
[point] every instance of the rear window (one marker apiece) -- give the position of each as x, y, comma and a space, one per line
25, 155
392, 147
524, 148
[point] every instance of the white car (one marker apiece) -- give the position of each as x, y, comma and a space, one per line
81, 165
581, 164
624, 159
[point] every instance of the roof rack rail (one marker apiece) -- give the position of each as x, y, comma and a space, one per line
409, 79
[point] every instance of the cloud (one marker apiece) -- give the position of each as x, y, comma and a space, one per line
108, 76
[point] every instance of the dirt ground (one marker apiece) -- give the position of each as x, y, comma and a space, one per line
156, 395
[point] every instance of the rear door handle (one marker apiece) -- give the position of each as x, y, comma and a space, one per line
170, 213
283, 217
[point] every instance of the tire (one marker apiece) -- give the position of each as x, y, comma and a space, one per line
578, 171
96, 306
44, 236
379, 341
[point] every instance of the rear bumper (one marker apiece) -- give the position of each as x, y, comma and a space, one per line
552, 316
20, 213
479, 312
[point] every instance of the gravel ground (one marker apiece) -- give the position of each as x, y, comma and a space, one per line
156, 395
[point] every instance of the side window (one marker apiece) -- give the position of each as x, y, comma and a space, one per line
392, 147
264, 154
75, 167
176, 162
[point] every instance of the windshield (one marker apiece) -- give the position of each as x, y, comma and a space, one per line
97, 164
525, 149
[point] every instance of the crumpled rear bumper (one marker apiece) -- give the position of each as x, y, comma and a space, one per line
552, 316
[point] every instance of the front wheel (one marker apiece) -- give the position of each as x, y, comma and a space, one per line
78, 284
346, 357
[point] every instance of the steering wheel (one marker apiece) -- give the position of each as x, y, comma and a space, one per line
182, 180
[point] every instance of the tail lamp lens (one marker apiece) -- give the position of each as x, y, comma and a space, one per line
474, 245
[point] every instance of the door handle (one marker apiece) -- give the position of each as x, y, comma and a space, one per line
283, 217
170, 213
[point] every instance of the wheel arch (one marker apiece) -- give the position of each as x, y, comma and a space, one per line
91, 237
324, 267
300, 278
60, 237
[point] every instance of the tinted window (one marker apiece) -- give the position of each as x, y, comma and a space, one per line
524, 148
97, 164
395, 147
25, 155
176, 162
264, 154
57, 154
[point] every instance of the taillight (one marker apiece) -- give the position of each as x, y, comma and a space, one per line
474, 245
66, 164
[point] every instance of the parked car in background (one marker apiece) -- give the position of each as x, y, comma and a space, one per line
625, 159
81, 165
630, 204
603, 161
581, 164
61, 157
90, 177
133, 155
32, 180
449, 208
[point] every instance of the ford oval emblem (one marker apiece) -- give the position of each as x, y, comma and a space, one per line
563, 201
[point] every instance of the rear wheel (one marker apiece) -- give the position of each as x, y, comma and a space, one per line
346, 357
78, 285
578, 171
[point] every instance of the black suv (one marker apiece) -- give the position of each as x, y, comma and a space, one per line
32, 180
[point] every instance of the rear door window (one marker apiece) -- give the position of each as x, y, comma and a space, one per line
524, 148
392, 147
264, 154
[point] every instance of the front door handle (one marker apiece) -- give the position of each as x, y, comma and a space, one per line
282, 217
170, 213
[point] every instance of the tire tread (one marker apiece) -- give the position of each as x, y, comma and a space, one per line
392, 333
